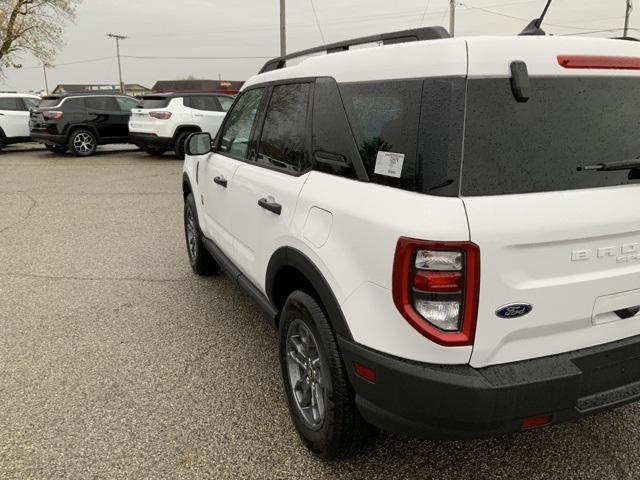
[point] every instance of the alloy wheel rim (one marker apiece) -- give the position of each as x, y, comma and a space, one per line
192, 243
306, 375
83, 142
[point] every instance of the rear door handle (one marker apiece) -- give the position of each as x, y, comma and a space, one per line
221, 181
271, 206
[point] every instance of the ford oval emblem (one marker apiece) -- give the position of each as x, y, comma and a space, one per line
514, 310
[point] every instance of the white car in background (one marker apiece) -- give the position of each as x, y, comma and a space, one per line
164, 121
14, 117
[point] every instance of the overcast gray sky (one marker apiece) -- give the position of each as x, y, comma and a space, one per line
243, 28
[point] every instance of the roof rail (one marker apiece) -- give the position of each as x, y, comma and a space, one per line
403, 36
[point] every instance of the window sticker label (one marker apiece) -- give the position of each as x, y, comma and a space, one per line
389, 164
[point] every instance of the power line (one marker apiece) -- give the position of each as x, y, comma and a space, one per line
424, 14
315, 14
493, 12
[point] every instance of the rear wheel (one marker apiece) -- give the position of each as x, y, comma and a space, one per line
56, 148
83, 143
201, 261
321, 400
181, 141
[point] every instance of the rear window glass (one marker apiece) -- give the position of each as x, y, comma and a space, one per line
204, 103
154, 102
513, 147
49, 102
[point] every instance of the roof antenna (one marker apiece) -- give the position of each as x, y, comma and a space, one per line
534, 27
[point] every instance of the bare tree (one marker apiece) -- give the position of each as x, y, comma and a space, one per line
32, 26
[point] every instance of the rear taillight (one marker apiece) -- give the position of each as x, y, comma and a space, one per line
436, 287
52, 115
160, 115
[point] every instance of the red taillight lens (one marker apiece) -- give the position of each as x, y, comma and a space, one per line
534, 422
160, 115
438, 282
599, 62
52, 115
364, 372
436, 288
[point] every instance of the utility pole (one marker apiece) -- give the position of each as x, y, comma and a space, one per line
452, 17
626, 18
46, 82
118, 38
283, 29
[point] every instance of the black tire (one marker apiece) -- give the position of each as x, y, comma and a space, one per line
154, 152
342, 432
201, 261
59, 149
83, 143
181, 144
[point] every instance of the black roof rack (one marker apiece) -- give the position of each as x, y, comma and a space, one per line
403, 36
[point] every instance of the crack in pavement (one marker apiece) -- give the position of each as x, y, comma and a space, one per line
94, 279
33, 206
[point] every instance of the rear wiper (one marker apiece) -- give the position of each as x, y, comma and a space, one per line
612, 166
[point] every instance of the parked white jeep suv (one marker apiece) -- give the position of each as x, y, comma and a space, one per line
164, 121
446, 232
14, 117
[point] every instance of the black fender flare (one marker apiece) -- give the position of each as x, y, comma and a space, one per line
293, 258
186, 185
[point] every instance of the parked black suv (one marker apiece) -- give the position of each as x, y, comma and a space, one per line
80, 122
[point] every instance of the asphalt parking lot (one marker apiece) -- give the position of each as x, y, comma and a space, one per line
116, 361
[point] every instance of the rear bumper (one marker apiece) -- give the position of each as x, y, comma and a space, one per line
48, 138
452, 402
152, 141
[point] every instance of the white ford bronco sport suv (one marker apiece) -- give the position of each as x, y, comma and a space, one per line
445, 231
163, 122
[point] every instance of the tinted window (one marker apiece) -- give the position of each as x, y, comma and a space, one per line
440, 137
513, 147
126, 103
207, 104
225, 102
334, 148
10, 104
385, 117
73, 104
49, 102
237, 128
108, 104
30, 102
154, 102
282, 143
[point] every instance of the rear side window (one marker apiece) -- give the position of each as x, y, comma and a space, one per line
513, 147
154, 102
236, 131
207, 104
126, 103
282, 143
385, 117
225, 103
11, 104
73, 105
30, 102
107, 104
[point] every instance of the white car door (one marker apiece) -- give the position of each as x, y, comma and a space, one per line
216, 177
14, 117
266, 189
207, 112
